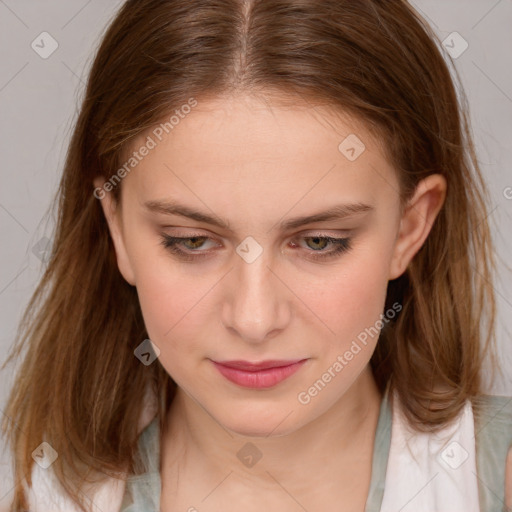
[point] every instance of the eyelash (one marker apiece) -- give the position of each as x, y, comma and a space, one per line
342, 245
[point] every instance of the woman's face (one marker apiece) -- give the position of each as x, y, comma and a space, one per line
253, 279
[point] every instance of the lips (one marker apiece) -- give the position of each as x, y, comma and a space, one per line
262, 374
263, 365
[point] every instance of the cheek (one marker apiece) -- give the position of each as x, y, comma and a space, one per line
171, 306
352, 298
180, 305
171, 296
171, 309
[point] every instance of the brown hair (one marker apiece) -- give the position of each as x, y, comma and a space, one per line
79, 386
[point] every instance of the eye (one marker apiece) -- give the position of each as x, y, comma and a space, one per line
188, 248
172, 243
339, 246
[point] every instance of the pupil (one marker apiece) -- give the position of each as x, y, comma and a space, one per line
316, 240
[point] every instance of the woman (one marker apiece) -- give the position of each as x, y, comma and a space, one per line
269, 274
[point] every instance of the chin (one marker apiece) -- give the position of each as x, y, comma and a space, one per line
258, 431
264, 422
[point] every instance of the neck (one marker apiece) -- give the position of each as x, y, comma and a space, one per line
339, 440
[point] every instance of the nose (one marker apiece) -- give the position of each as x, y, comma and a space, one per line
256, 306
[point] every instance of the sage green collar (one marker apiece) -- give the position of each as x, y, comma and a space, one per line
380, 455
143, 491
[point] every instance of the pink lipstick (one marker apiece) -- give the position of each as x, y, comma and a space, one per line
264, 374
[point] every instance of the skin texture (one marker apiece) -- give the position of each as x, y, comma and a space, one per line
256, 165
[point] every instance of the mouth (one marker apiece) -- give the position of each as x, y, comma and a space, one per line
264, 374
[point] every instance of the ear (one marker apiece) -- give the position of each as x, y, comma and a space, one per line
113, 216
416, 222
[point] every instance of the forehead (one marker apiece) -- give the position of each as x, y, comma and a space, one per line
249, 150
275, 127
276, 124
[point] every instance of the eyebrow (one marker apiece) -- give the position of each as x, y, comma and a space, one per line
336, 212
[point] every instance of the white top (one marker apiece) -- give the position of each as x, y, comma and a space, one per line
425, 472
428, 472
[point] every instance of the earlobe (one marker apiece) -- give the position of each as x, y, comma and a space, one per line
112, 217
416, 222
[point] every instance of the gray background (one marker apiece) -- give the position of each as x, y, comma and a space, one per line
38, 105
